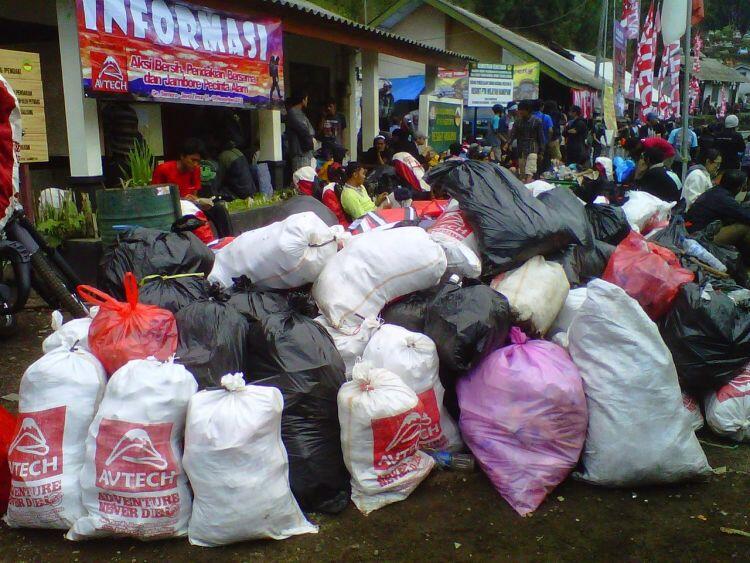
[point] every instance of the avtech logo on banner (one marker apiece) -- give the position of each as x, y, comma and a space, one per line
109, 73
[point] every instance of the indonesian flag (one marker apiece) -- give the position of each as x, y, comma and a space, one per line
631, 18
722, 102
695, 87
646, 57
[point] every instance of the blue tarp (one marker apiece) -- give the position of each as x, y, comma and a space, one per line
407, 87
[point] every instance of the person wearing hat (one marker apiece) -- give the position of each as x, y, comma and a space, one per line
497, 132
730, 143
653, 127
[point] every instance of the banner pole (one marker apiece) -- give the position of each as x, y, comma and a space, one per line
686, 96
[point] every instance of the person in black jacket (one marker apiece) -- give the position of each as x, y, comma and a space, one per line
656, 180
719, 203
730, 143
235, 177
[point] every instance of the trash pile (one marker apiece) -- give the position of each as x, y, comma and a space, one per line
221, 395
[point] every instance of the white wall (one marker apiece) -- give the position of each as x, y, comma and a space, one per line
744, 88
426, 25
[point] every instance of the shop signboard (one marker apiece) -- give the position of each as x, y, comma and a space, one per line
444, 118
526, 81
490, 84
24, 74
620, 63
170, 51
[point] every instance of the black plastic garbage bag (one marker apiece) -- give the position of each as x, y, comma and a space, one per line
147, 252
609, 223
511, 224
727, 255
709, 337
409, 312
173, 292
466, 323
212, 340
254, 303
584, 263
567, 207
297, 356
257, 303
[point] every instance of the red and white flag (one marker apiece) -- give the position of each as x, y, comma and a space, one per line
669, 81
631, 18
645, 62
695, 87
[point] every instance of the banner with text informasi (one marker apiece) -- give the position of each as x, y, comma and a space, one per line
169, 51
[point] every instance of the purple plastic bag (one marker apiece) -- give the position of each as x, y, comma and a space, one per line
524, 417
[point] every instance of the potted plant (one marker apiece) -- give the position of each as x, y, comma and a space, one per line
137, 202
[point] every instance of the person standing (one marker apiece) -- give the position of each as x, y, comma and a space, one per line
273, 72
332, 126
730, 143
576, 133
300, 132
529, 137
497, 132
652, 128
554, 154
675, 139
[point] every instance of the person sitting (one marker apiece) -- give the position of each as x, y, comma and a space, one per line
354, 197
655, 179
700, 177
234, 172
331, 194
719, 203
378, 155
185, 173
401, 142
730, 143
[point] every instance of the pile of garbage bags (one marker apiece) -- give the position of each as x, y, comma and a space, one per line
222, 394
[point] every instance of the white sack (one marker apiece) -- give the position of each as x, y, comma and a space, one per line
70, 333
287, 254
538, 187
373, 269
558, 332
452, 232
413, 357
350, 342
639, 433
643, 208
728, 409
238, 466
536, 292
58, 398
694, 411
381, 421
132, 479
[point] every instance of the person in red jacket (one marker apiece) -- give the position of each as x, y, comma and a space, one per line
332, 192
185, 172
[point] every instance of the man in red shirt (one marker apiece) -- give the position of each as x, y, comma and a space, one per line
185, 172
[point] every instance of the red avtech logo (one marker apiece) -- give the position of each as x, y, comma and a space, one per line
453, 224
431, 435
108, 73
396, 437
738, 387
132, 457
36, 450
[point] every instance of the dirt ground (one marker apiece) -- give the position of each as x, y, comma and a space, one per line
453, 515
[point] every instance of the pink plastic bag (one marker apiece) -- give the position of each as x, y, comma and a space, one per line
524, 417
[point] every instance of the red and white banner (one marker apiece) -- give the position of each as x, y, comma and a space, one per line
695, 86
631, 18
172, 51
645, 62
669, 81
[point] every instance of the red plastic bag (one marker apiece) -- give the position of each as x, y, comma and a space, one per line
649, 273
121, 332
7, 431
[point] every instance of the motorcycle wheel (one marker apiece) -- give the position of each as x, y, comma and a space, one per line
55, 292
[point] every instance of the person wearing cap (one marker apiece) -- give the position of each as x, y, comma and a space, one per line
655, 178
652, 128
497, 132
730, 143
354, 197
378, 155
